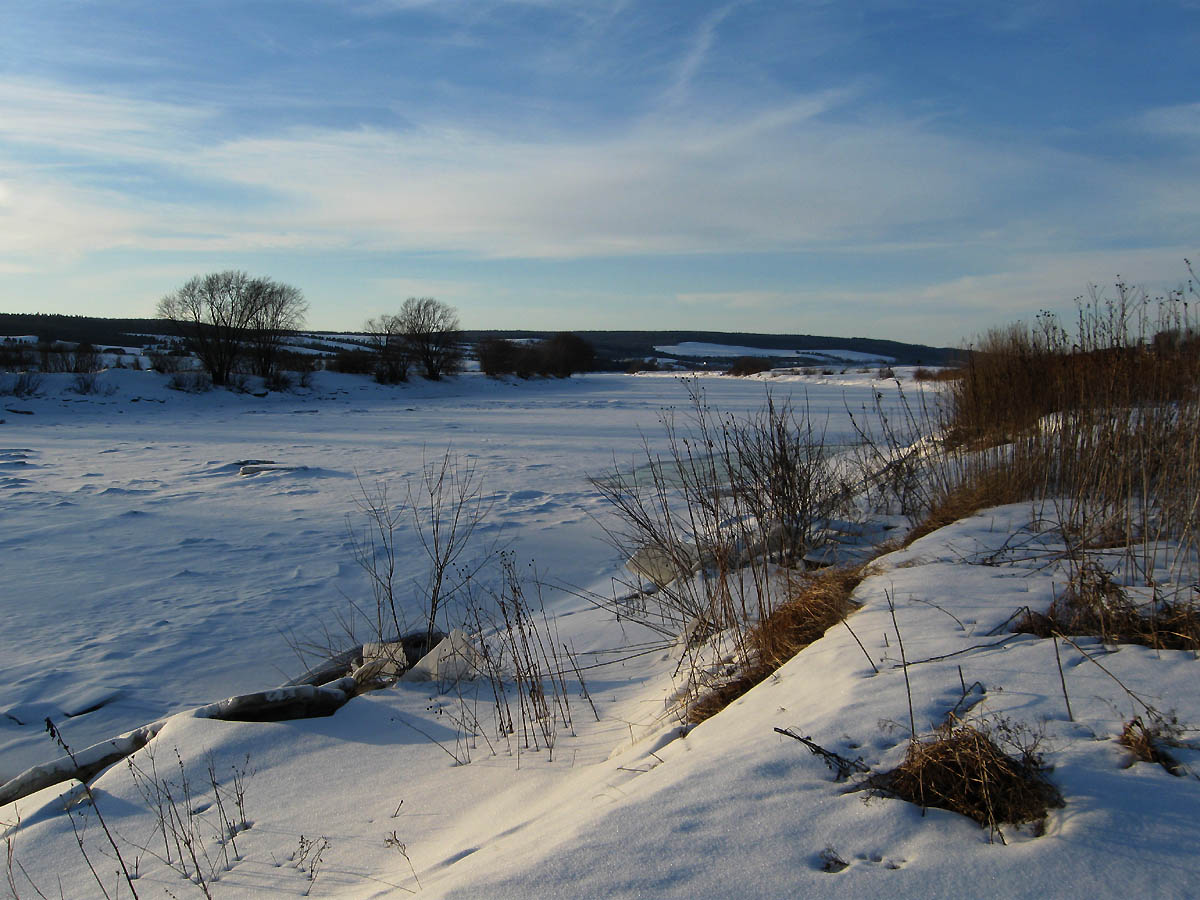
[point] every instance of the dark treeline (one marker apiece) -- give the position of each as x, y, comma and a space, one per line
610, 345
624, 345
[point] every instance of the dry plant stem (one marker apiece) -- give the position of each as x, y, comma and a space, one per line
58, 739
12, 864
912, 722
842, 767
582, 684
1062, 679
709, 517
375, 554
87, 859
874, 667
393, 840
1150, 711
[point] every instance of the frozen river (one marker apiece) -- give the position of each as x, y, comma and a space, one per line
142, 574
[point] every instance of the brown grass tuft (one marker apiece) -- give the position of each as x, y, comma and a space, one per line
1094, 604
960, 768
1147, 742
816, 602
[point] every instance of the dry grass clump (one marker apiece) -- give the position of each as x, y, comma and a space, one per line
1147, 742
816, 602
960, 768
1094, 604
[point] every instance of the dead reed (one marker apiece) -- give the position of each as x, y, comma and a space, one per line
1093, 603
1148, 743
1098, 427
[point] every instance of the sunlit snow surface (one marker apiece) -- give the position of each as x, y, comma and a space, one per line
142, 574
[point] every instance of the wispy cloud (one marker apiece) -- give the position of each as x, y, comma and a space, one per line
1182, 120
767, 179
90, 124
679, 89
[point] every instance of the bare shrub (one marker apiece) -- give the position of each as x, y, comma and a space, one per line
26, 384
921, 373
391, 357
280, 381
743, 366
497, 356
352, 362
564, 354
85, 359
87, 383
190, 382
166, 363
53, 357
445, 506
711, 522
15, 355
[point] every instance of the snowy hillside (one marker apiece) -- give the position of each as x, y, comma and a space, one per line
700, 349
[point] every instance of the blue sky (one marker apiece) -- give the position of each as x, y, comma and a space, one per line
918, 171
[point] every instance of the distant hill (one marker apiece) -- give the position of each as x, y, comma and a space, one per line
79, 329
642, 344
611, 345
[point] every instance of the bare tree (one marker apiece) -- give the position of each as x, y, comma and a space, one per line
392, 359
431, 332
278, 309
224, 313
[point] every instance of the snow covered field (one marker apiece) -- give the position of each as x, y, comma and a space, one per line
143, 575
